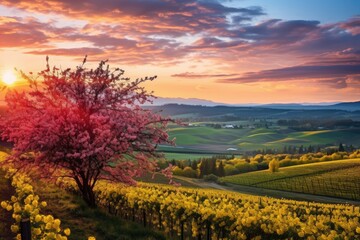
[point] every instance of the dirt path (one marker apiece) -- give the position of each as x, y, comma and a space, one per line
274, 193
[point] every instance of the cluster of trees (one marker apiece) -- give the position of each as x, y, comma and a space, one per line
274, 165
254, 123
224, 166
201, 167
301, 150
315, 124
209, 166
292, 149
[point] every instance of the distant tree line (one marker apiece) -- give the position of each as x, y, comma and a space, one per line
293, 149
316, 124
201, 167
225, 165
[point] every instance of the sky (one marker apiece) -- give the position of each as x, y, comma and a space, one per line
239, 51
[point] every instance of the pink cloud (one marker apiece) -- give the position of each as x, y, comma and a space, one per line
201, 75
153, 32
14, 33
68, 51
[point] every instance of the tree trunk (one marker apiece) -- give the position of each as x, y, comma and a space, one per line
89, 196
87, 193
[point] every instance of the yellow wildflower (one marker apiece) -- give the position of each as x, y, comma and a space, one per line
67, 232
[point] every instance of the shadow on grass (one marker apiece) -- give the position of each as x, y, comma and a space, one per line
84, 221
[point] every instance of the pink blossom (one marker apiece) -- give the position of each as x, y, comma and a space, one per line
85, 121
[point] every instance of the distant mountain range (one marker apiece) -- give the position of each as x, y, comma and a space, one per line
186, 101
346, 106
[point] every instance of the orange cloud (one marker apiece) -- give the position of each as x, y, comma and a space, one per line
170, 36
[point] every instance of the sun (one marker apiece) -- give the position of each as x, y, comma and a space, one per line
9, 78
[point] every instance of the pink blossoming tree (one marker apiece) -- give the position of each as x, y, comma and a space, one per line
86, 121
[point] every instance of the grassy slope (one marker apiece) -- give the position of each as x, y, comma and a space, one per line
253, 178
251, 139
343, 183
83, 221
185, 156
161, 179
204, 135
336, 178
73, 213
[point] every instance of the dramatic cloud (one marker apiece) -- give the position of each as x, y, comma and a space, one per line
208, 33
278, 31
352, 26
68, 51
174, 17
16, 34
299, 72
212, 43
197, 75
45, 38
335, 76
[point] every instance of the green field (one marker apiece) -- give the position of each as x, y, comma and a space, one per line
254, 139
203, 135
336, 178
161, 179
343, 183
185, 156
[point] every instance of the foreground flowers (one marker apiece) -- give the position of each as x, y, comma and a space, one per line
26, 205
194, 213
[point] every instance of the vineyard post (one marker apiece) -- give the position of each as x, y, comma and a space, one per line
331, 213
219, 233
109, 207
25, 229
199, 233
182, 229
208, 231
160, 223
171, 226
144, 217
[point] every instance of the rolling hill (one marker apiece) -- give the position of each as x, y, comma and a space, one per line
261, 138
335, 178
230, 113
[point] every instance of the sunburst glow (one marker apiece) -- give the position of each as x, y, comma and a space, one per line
9, 77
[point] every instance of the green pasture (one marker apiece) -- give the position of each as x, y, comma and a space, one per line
185, 156
253, 139
161, 179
